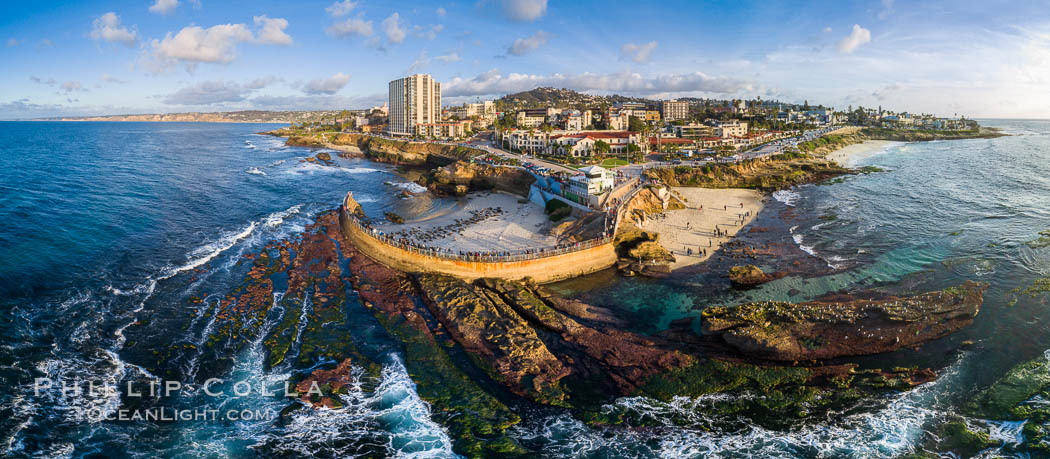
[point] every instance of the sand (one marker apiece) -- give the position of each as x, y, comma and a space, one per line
693, 228
520, 226
849, 155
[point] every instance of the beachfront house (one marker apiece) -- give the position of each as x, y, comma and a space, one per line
589, 184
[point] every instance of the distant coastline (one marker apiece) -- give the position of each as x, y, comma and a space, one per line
247, 116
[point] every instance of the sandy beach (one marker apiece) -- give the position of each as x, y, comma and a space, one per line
693, 227
850, 154
487, 221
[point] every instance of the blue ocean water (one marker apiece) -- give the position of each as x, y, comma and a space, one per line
105, 224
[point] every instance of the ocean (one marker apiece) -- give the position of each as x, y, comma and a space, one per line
111, 224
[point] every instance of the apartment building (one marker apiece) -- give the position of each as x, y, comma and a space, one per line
413, 100
674, 110
731, 129
444, 129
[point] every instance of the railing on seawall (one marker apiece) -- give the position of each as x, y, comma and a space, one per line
484, 257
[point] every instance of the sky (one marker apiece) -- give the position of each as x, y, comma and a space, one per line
975, 58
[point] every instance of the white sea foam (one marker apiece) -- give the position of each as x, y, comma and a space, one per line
788, 197
1006, 432
391, 418
255, 171
313, 168
892, 430
411, 187
275, 219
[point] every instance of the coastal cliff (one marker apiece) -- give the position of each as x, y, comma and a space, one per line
402, 152
461, 176
778, 172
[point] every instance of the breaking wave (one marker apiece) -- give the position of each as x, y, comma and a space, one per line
411, 187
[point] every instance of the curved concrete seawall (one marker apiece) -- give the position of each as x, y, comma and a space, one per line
541, 269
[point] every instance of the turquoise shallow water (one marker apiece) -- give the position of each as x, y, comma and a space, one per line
104, 224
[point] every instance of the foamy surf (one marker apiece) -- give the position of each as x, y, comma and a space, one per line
411, 187
391, 418
894, 429
787, 197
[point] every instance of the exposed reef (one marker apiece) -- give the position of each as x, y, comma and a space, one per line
829, 329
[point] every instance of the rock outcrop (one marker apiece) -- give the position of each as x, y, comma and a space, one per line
750, 276
519, 335
825, 330
460, 177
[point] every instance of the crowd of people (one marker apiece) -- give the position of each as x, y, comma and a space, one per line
457, 227
401, 241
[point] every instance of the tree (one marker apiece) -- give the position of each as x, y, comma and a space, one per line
635, 124
602, 148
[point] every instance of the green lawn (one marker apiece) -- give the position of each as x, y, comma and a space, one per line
613, 162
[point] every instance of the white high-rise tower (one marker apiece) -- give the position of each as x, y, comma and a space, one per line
414, 99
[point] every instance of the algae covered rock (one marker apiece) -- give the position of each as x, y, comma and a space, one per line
824, 330
748, 276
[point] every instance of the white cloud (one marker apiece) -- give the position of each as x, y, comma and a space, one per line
856, 38
208, 93
107, 28
46, 43
395, 33
887, 9
527, 45
327, 85
38, 80
12, 42
524, 10
887, 91
351, 26
111, 79
193, 45
340, 9
639, 53
827, 30
216, 44
493, 82
163, 6
71, 86
260, 83
450, 57
432, 34
272, 32
440, 12
422, 60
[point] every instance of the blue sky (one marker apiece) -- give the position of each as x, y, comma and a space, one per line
982, 58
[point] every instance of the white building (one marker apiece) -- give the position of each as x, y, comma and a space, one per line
675, 110
731, 129
593, 181
414, 100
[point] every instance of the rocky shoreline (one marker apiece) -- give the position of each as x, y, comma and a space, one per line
476, 347
497, 349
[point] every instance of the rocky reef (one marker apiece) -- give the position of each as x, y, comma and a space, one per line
482, 353
750, 275
829, 329
517, 333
